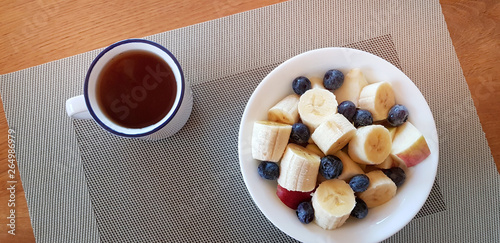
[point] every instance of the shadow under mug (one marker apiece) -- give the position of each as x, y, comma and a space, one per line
86, 106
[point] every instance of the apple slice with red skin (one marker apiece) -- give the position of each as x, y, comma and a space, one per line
292, 199
409, 145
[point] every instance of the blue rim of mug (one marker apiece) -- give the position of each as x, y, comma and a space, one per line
94, 62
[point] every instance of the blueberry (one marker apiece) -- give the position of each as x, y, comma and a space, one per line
269, 170
362, 118
360, 210
396, 174
330, 167
359, 183
348, 109
333, 79
300, 134
300, 85
305, 212
398, 115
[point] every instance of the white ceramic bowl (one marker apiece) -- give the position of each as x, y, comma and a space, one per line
382, 221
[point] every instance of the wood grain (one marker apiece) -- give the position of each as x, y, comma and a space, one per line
474, 27
35, 32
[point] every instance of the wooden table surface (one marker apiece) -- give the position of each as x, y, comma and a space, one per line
35, 32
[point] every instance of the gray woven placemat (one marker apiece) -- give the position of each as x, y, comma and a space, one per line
67, 204
178, 187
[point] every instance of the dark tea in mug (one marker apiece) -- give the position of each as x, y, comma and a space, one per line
136, 89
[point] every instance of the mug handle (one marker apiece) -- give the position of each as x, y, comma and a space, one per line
76, 108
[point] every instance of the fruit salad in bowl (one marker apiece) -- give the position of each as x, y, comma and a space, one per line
338, 145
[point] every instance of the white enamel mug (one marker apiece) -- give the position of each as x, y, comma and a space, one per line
86, 106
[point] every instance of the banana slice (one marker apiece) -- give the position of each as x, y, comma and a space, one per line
333, 134
316, 82
299, 169
350, 168
377, 98
269, 140
333, 202
286, 111
388, 163
313, 148
371, 145
392, 131
316, 106
381, 189
354, 82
